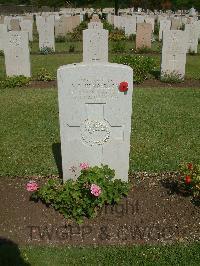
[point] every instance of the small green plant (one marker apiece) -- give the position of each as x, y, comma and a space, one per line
46, 50
132, 37
144, 50
117, 35
15, 81
77, 33
44, 75
71, 48
108, 26
94, 188
188, 182
60, 39
143, 66
173, 77
1, 53
118, 47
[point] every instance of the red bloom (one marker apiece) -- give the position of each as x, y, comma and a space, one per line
190, 166
123, 86
188, 179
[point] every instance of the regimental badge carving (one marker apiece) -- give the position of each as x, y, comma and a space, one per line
15, 40
95, 133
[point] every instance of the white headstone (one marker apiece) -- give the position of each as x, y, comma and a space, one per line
3, 31
164, 25
95, 45
192, 37
95, 117
95, 25
174, 53
46, 32
130, 26
17, 56
27, 25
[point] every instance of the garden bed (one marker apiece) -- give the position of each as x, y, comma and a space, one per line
152, 213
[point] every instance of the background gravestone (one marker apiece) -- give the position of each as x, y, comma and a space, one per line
17, 56
192, 38
46, 32
164, 25
14, 24
174, 53
95, 117
95, 45
143, 36
3, 31
27, 25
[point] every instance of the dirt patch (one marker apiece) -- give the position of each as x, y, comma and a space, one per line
150, 214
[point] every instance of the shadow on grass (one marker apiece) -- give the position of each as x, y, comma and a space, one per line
56, 149
10, 254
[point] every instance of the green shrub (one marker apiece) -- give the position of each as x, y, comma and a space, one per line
143, 66
156, 29
46, 50
15, 81
117, 35
44, 75
144, 50
188, 182
173, 77
60, 39
118, 47
77, 33
75, 199
1, 53
132, 37
108, 26
71, 48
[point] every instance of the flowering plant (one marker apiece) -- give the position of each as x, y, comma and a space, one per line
189, 179
83, 197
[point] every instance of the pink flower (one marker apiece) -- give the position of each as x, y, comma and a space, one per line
32, 186
84, 166
95, 190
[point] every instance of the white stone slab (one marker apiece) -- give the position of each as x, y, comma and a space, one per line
164, 25
46, 32
17, 56
95, 25
3, 31
192, 37
27, 25
95, 45
174, 53
95, 117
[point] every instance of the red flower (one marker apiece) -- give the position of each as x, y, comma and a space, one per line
188, 179
190, 166
123, 86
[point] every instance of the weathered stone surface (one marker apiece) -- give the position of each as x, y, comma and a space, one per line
95, 25
95, 117
174, 53
46, 32
17, 56
192, 37
3, 31
14, 24
143, 36
95, 45
164, 25
27, 25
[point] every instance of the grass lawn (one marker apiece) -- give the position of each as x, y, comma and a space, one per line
135, 255
165, 130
